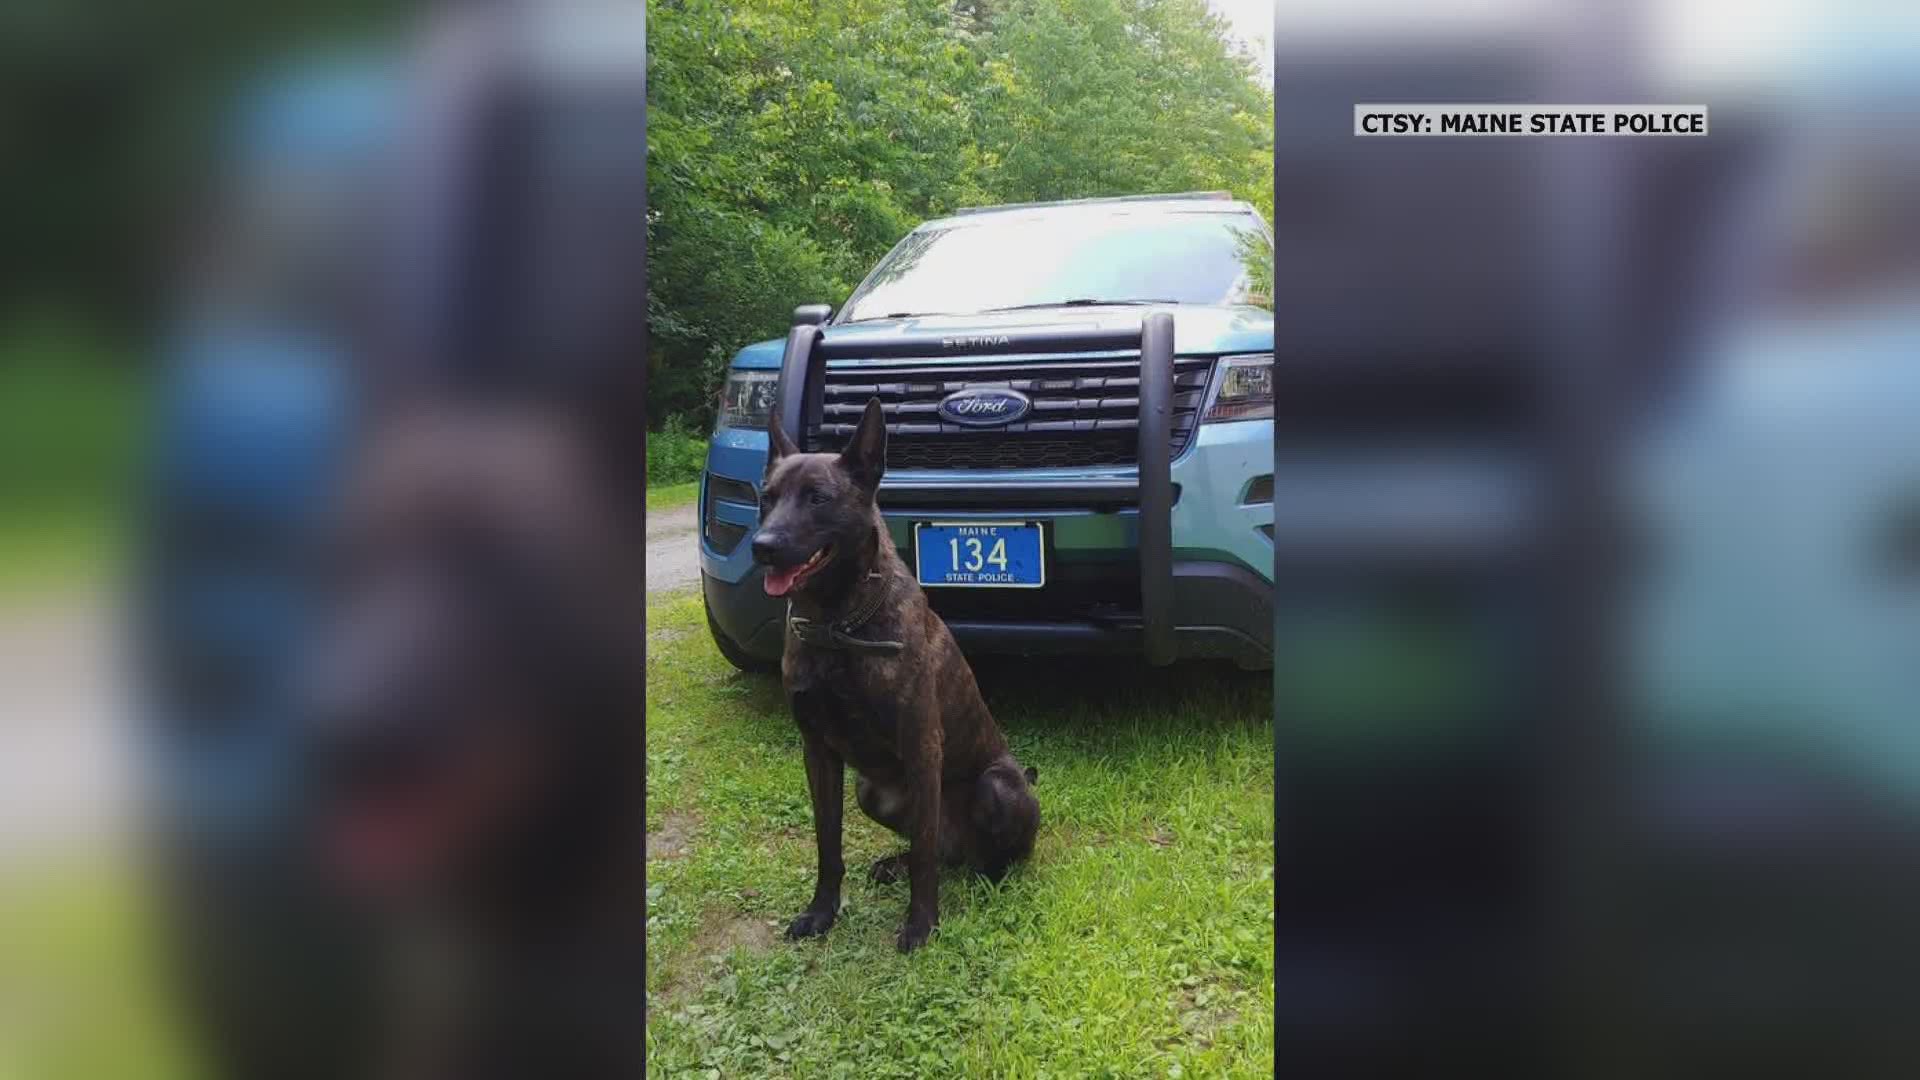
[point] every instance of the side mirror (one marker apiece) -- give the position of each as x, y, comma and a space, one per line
811, 314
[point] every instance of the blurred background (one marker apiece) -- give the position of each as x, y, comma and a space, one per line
200, 245
1595, 503
116, 121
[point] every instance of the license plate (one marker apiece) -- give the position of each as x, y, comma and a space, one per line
980, 554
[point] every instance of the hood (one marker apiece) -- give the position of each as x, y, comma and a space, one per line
1198, 330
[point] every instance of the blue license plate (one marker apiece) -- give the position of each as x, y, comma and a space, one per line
996, 554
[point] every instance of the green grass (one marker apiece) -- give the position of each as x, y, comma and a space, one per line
51, 555
672, 496
1137, 942
80, 991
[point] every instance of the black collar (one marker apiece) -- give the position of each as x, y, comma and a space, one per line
837, 634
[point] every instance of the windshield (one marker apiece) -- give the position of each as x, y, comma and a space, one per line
1009, 261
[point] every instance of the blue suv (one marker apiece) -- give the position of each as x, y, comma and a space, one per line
1079, 403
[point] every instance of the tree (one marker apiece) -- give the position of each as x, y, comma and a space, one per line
791, 143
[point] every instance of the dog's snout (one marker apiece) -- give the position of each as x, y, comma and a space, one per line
766, 546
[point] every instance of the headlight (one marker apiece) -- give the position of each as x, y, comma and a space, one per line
747, 399
1246, 390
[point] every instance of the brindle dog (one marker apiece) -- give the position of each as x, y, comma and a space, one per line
876, 681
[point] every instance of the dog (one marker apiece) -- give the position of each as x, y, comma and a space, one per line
875, 681
476, 699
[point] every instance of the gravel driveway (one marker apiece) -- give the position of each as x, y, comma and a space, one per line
673, 556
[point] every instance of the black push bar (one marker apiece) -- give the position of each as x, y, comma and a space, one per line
923, 346
1156, 487
797, 408
802, 370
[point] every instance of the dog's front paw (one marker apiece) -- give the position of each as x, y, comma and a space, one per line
810, 924
913, 935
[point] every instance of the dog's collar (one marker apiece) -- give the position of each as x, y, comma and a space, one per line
838, 633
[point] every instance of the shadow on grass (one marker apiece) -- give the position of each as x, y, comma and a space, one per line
1079, 702
1046, 688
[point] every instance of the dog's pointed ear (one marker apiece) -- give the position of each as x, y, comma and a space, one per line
779, 444
866, 454
1033, 776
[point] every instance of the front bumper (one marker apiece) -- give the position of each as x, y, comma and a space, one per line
1221, 563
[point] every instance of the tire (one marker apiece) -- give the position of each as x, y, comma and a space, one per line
736, 655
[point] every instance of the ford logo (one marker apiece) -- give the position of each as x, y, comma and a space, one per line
984, 406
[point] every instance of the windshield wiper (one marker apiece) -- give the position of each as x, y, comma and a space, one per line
898, 315
1079, 301
1082, 301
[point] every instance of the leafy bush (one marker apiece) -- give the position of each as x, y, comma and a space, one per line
675, 454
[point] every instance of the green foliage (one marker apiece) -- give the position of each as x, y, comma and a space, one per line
792, 142
675, 454
1117, 97
111, 114
69, 430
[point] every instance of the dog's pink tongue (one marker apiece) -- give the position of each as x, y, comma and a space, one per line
780, 582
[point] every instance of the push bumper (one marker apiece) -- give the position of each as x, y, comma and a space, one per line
1167, 560
1220, 611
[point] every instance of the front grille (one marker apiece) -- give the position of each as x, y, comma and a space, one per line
1085, 412
725, 536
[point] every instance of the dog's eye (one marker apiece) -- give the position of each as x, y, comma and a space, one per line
819, 498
